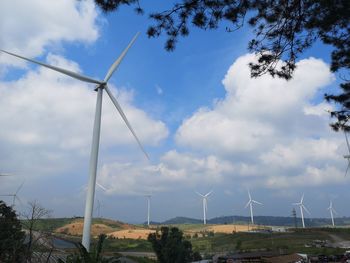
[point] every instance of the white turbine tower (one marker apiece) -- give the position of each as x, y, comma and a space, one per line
348, 155
302, 207
205, 205
101, 86
148, 208
331, 211
250, 204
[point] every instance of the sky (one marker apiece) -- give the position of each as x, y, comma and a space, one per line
204, 122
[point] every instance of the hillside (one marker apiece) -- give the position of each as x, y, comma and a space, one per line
260, 220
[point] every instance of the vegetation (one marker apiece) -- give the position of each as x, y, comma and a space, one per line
12, 248
283, 30
170, 246
287, 242
185, 223
83, 256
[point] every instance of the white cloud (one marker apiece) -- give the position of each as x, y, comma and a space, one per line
174, 169
29, 27
268, 129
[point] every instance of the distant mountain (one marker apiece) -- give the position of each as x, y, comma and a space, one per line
260, 220
182, 220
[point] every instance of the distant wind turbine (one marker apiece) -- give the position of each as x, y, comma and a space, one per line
348, 155
15, 195
250, 204
302, 207
98, 208
205, 205
101, 86
331, 211
148, 208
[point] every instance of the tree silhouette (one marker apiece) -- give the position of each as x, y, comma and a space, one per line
12, 247
283, 30
170, 247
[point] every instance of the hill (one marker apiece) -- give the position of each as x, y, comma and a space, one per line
260, 220
182, 220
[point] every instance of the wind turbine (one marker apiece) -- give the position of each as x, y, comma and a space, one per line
205, 205
331, 211
250, 204
15, 195
148, 207
98, 208
302, 207
101, 86
348, 155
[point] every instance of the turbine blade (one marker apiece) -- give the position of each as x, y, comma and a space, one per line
347, 168
119, 60
247, 204
256, 202
116, 104
296, 203
306, 209
199, 194
61, 70
5, 174
208, 193
19, 199
101, 186
19, 188
347, 141
334, 211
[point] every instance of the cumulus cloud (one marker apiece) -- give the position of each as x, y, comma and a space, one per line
271, 130
28, 27
174, 170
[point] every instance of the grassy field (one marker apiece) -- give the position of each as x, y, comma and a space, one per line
287, 242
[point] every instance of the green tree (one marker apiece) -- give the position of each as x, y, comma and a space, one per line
170, 246
12, 247
95, 256
283, 30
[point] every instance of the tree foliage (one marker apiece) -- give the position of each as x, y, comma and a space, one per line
95, 256
283, 30
170, 246
12, 247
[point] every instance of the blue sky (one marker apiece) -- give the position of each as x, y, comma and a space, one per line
204, 122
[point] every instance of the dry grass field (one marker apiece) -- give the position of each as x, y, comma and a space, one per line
229, 229
76, 229
119, 230
131, 233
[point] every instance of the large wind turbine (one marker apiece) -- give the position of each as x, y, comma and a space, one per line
331, 211
250, 204
302, 207
148, 208
205, 205
101, 86
348, 155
